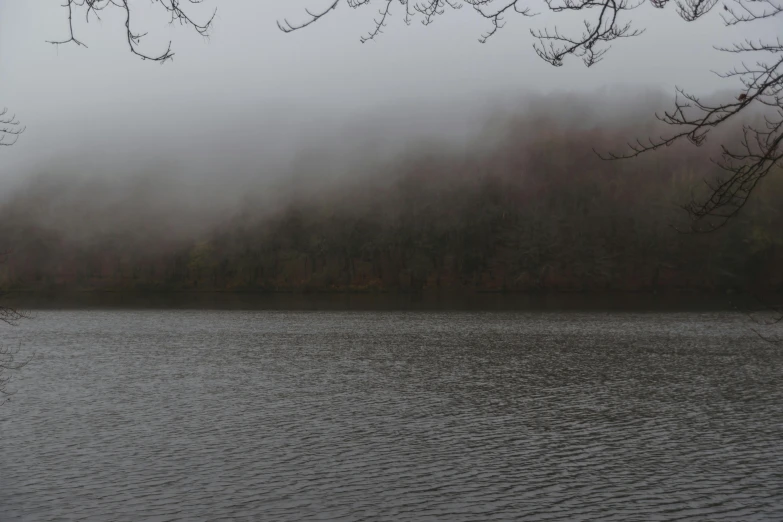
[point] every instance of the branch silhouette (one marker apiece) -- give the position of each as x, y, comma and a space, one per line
178, 11
10, 128
745, 164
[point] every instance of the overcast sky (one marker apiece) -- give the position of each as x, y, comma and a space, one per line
254, 91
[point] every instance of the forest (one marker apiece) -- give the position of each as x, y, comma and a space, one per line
533, 209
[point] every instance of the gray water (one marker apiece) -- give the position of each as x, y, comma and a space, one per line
262, 415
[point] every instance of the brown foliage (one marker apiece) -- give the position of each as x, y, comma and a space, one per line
535, 210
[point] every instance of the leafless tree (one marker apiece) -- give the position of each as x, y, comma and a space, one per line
759, 83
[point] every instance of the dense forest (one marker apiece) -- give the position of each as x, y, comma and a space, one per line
534, 210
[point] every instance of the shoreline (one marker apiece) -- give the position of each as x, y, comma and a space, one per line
443, 301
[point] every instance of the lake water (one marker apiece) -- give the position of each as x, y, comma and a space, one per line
389, 415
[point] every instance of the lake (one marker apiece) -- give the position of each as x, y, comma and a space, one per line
188, 414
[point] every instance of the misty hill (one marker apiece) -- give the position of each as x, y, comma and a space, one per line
531, 209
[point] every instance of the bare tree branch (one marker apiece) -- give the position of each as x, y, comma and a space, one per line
743, 11
10, 129
553, 46
691, 10
757, 155
380, 23
759, 152
288, 27
177, 11
495, 14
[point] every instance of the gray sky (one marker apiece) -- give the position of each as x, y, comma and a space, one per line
255, 93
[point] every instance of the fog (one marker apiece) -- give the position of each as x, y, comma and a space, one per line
312, 154
206, 174
250, 96
509, 196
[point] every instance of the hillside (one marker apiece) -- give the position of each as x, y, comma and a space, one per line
537, 211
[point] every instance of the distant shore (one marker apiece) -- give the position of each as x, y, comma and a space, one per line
245, 300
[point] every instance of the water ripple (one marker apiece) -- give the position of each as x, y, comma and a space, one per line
197, 415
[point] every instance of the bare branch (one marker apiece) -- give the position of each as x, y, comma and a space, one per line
380, 23
691, 10
743, 11
496, 15
288, 27
10, 129
554, 46
758, 154
175, 9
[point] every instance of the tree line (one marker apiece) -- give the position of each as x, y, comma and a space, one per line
537, 212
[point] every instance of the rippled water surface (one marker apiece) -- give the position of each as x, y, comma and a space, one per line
226, 415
